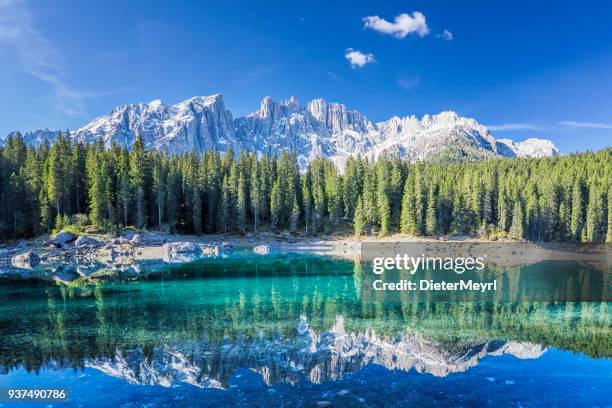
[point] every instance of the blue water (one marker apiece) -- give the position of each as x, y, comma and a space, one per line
290, 331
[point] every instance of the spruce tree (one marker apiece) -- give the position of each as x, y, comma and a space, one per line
242, 202
224, 208
517, 228
255, 193
577, 209
430, 215
408, 224
159, 187
385, 216
307, 202
138, 179
609, 212
294, 218
275, 206
360, 218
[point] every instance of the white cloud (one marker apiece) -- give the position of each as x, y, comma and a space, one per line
408, 83
402, 25
39, 58
588, 125
514, 126
358, 59
446, 35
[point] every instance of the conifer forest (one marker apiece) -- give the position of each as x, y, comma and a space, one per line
45, 188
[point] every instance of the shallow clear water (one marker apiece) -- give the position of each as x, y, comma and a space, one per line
287, 330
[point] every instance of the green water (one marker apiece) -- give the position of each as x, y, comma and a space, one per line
297, 321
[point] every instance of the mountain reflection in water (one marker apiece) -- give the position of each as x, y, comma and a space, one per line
309, 355
290, 319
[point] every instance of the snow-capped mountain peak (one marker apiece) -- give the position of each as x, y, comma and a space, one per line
317, 129
532, 147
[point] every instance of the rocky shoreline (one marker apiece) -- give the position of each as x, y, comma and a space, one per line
66, 257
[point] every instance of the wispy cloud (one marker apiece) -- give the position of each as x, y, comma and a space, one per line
402, 25
446, 35
39, 58
514, 126
408, 83
588, 125
358, 59
332, 75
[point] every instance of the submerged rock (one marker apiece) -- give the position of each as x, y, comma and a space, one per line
262, 249
27, 260
226, 245
186, 251
65, 275
62, 238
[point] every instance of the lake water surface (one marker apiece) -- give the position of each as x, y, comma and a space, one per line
295, 330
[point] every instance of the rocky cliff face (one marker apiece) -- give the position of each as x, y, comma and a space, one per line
197, 124
318, 129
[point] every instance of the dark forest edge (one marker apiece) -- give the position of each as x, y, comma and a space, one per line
90, 187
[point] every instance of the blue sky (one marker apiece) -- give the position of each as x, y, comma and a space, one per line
524, 68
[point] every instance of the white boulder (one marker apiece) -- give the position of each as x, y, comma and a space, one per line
262, 249
27, 260
86, 241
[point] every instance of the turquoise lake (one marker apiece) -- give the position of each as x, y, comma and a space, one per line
298, 330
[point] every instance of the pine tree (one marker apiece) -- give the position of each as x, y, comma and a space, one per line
595, 226
242, 203
517, 228
319, 209
224, 208
419, 203
502, 221
430, 215
385, 216
408, 224
159, 187
174, 194
196, 195
275, 206
122, 161
609, 211
96, 165
58, 174
295, 217
577, 209
360, 218
307, 202
369, 197
461, 221
255, 193
138, 178
79, 177
351, 187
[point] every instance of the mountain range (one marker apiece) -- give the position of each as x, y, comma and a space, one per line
318, 129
